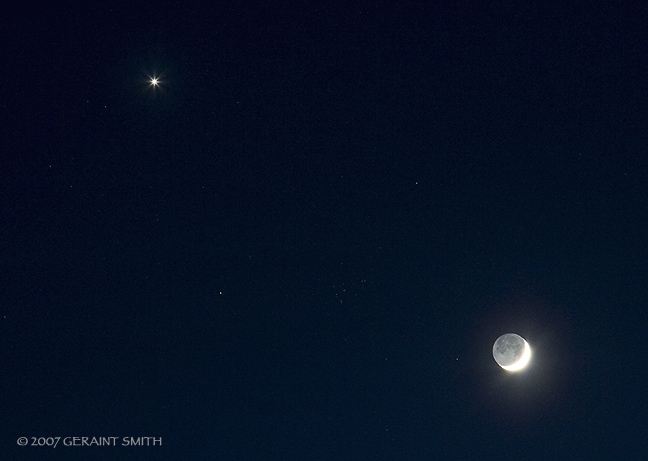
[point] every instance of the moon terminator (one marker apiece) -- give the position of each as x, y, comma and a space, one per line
511, 352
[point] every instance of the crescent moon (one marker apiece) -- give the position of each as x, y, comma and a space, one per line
524, 360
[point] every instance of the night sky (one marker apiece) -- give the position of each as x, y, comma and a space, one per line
304, 242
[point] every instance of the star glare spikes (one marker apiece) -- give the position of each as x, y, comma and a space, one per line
155, 81
155, 84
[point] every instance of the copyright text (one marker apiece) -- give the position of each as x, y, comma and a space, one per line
90, 441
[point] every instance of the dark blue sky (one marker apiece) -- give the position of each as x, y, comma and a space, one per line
305, 242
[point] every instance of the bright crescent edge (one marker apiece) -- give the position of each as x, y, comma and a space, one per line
524, 360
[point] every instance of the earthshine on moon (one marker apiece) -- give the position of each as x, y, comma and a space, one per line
511, 352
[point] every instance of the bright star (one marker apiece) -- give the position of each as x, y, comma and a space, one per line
154, 84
